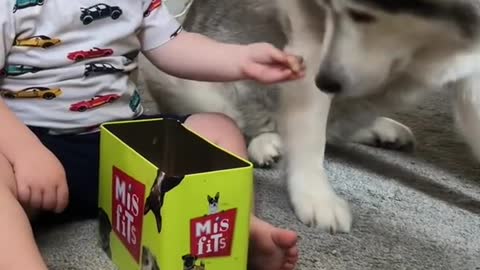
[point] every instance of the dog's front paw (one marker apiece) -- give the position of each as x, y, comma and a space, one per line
386, 133
265, 149
321, 208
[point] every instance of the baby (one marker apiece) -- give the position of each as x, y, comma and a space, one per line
65, 70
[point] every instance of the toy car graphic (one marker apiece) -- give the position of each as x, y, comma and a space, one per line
21, 4
97, 101
100, 68
33, 92
38, 41
16, 70
93, 53
99, 11
135, 101
153, 5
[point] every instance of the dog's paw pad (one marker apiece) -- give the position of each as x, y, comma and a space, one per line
265, 149
387, 133
321, 209
396, 144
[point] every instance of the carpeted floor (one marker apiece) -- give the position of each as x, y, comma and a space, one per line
411, 211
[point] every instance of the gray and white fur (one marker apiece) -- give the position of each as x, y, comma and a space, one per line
367, 57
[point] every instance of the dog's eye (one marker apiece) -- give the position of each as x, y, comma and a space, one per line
361, 17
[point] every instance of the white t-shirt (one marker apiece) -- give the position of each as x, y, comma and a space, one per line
65, 64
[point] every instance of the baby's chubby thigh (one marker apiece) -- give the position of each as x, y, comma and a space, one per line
220, 130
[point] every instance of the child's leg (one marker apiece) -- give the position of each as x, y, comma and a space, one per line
18, 249
270, 247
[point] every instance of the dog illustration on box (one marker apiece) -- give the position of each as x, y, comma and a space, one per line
149, 262
213, 204
104, 229
160, 187
189, 263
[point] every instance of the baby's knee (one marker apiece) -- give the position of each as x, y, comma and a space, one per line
7, 176
217, 122
219, 129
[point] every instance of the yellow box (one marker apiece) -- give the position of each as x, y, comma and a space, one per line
171, 200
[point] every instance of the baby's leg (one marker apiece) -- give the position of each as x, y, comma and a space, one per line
17, 244
270, 247
220, 130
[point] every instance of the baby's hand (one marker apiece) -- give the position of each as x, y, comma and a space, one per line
41, 180
267, 64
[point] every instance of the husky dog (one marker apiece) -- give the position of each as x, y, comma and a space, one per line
366, 57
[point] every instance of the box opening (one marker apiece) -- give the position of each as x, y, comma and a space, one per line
173, 148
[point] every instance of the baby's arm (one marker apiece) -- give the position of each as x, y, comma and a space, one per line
39, 175
40, 178
197, 57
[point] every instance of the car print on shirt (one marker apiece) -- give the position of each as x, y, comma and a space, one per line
21, 4
92, 53
17, 70
99, 11
33, 92
93, 68
95, 102
40, 41
135, 101
153, 5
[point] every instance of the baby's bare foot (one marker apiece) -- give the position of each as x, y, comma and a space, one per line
271, 248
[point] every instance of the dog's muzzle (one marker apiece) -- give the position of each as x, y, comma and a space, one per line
328, 84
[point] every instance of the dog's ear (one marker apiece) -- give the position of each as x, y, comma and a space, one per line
217, 196
184, 257
159, 179
209, 198
147, 206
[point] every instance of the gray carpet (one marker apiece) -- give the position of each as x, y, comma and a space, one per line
411, 211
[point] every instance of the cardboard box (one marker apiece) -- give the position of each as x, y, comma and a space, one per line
170, 199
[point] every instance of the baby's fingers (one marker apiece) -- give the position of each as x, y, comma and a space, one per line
23, 194
49, 199
62, 198
267, 74
296, 64
278, 56
36, 197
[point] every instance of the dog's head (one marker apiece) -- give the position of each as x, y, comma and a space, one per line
149, 262
189, 261
104, 228
213, 201
371, 43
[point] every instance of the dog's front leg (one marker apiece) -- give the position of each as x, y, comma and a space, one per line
303, 114
467, 111
302, 125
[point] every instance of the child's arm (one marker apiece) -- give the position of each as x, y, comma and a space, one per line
39, 175
197, 57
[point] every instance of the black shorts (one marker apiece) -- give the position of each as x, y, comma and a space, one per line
79, 155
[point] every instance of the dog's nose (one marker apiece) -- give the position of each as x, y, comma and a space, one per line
328, 84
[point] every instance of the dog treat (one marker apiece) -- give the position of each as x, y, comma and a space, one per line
295, 63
